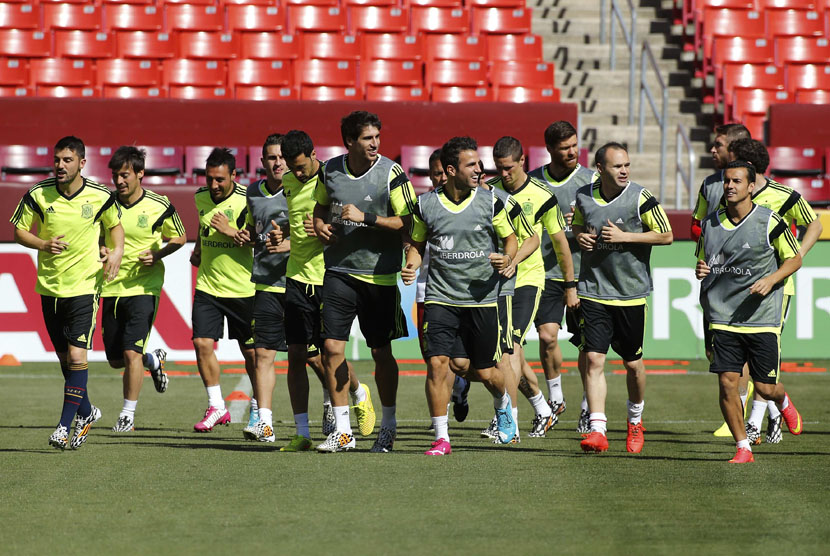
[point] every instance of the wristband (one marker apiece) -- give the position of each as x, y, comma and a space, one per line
569, 284
369, 219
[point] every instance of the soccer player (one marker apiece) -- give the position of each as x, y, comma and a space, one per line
464, 226
563, 176
130, 301
223, 284
793, 209
362, 260
304, 279
540, 207
616, 222
67, 213
745, 252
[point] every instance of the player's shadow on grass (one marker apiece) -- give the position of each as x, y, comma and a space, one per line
30, 450
237, 447
31, 427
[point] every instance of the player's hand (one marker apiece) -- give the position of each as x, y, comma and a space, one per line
241, 238
702, 270
499, 261
56, 245
586, 241
148, 257
219, 222
762, 287
612, 234
112, 262
509, 271
103, 253
408, 274
308, 226
324, 232
275, 236
571, 300
352, 213
195, 258
569, 218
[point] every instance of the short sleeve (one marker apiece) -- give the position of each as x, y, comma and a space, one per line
110, 213
24, 215
401, 193
501, 221
652, 213
173, 226
781, 238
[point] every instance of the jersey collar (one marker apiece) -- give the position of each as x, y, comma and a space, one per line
126, 206
70, 197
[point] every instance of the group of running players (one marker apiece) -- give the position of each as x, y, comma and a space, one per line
290, 261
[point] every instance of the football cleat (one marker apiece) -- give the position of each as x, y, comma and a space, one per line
594, 442
723, 431
159, 377
583, 426
753, 434
328, 419
337, 442
263, 432
385, 441
82, 426
634, 441
125, 423
440, 447
505, 425
249, 432
365, 414
792, 417
59, 438
213, 416
515, 440
460, 407
743, 455
298, 443
491, 431
541, 424
774, 430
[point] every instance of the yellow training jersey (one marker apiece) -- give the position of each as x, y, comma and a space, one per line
305, 263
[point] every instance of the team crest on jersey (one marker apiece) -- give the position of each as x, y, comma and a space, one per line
229, 213
86, 211
527, 208
142, 221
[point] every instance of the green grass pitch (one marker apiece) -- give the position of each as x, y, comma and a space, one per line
165, 489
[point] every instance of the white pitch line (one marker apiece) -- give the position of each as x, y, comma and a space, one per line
239, 408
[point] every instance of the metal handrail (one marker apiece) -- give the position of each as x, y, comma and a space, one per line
660, 116
684, 177
630, 37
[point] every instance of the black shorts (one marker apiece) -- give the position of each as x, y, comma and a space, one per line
785, 312
302, 313
573, 320
505, 307
269, 320
210, 312
761, 350
377, 308
707, 335
551, 304
69, 320
476, 326
525, 306
620, 327
126, 323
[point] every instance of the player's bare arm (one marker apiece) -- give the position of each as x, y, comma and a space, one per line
702, 270
611, 233
764, 285
391, 223
220, 223
529, 245
196, 255
323, 231
149, 257
811, 235
55, 245
414, 258
510, 245
566, 263
585, 240
112, 261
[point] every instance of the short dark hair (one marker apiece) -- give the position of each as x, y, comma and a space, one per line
73, 144
132, 157
751, 150
436, 155
733, 132
508, 146
599, 157
221, 156
273, 139
453, 147
750, 168
295, 143
352, 125
558, 132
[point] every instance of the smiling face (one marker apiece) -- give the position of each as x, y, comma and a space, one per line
366, 146
127, 181
68, 166
219, 181
617, 168
468, 174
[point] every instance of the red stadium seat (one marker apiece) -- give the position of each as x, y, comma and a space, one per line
507, 48
229, 3
84, 44
97, 164
393, 72
440, 20
19, 16
463, 74
14, 72
795, 161
812, 189
25, 163
195, 157
376, 19
316, 19
456, 47
415, 162
432, 3
267, 73
198, 73
145, 44
64, 91
790, 23
536, 75
330, 73
728, 23
62, 72
128, 73
350, 3
816, 96
163, 165
203, 45
255, 18
808, 76
527, 94
327, 152
130, 92
191, 2
12, 91
512, 21
327, 93
787, 4
393, 93
126, 17
188, 17
801, 50
461, 94
756, 101
330, 46
259, 93
392, 47
310, 2
25, 44
85, 17
496, 3
269, 46
741, 50
747, 76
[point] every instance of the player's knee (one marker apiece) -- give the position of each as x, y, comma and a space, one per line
383, 354
548, 338
203, 345
334, 348
116, 363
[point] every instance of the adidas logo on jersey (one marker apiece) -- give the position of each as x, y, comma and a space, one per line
140, 343
367, 198
772, 373
477, 228
619, 221
746, 246
50, 210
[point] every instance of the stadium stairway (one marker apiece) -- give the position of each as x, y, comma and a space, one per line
571, 30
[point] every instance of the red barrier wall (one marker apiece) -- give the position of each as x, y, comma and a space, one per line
799, 125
